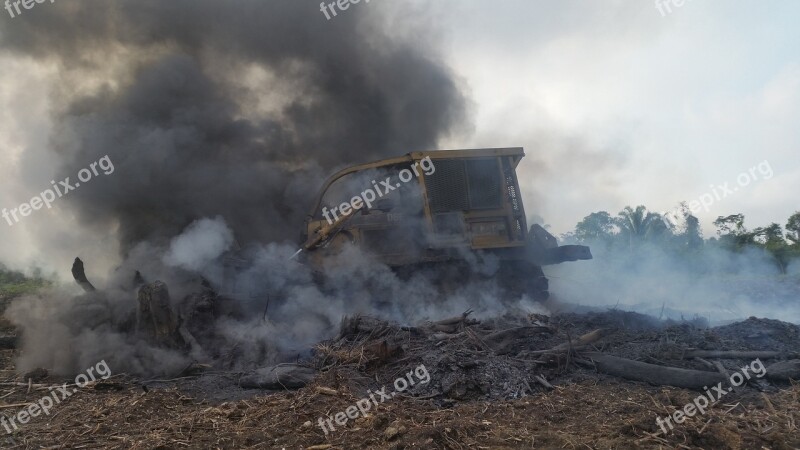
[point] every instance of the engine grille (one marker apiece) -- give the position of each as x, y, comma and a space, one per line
485, 184
447, 187
462, 185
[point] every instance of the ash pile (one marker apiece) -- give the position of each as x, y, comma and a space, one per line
518, 355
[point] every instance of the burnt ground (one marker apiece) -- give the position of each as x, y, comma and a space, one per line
483, 393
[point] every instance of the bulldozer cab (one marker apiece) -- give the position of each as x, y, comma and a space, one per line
422, 207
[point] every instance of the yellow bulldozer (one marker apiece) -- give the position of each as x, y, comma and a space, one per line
438, 212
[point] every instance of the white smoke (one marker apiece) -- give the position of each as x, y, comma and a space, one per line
203, 242
715, 284
280, 308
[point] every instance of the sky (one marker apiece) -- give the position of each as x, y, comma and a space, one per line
614, 102
617, 104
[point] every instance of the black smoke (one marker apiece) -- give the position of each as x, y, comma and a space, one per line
221, 120
238, 109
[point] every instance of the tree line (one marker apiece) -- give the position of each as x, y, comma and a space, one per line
634, 228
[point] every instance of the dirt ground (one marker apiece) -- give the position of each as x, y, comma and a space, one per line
584, 410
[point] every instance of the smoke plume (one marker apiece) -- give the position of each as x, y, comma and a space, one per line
237, 109
222, 119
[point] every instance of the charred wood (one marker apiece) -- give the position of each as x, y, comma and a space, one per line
155, 319
284, 376
582, 342
138, 280
503, 341
80, 276
731, 354
453, 324
653, 374
784, 370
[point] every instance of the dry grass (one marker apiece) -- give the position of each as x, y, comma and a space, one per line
584, 415
589, 411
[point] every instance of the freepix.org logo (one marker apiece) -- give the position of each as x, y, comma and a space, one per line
761, 171
58, 394
711, 396
365, 404
47, 197
368, 196
342, 4
665, 6
26, 4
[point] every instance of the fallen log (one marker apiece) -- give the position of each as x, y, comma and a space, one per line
581, 342
730, 354
586, 339
541, 380
80, 276
653, 374
784, 370
193, 369
446, 336
452, 324
454, 320
502, 341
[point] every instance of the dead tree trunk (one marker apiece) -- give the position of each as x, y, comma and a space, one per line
80, 276
155, 319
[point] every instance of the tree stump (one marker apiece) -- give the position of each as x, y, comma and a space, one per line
155, 319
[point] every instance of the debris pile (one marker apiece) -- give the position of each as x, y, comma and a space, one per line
502, 358
521, 355
596, 379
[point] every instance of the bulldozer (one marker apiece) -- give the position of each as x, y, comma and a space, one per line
437, 213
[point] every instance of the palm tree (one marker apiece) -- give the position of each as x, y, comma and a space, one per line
639, 225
